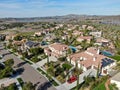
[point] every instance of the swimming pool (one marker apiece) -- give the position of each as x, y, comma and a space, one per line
74, 49
106, 53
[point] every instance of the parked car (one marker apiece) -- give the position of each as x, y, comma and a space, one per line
72, 79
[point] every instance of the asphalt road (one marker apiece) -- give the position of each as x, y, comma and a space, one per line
29, 73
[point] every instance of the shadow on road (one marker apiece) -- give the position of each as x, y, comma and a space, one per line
44, 86
6, 54
18, 71
20, 64
1, 49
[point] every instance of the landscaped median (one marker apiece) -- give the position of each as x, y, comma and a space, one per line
20, 81
48, 76
26, 60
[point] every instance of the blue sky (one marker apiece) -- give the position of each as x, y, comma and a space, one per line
36, 8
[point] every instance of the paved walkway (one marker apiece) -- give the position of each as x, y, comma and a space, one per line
107, 84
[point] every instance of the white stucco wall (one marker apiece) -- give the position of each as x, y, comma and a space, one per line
116, 82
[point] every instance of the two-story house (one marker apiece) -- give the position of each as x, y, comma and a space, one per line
56, 49
82, 38
91, 59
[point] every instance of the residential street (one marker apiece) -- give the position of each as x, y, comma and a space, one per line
29, 73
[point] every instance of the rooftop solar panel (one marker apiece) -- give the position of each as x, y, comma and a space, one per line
106, 61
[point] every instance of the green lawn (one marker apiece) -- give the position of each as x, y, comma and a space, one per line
110, 87
20, 81
66, 66
100, 86
116, 57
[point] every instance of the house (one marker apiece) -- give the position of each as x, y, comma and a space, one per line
96, 33
91, 59
37, 34
84, 26
31, 44
90, 28
102, 41
87, 27
56, 49
49, 37
116, 79
19, 44
82, 38
76, 33
10, 36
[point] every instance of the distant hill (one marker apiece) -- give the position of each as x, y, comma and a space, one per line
103, 19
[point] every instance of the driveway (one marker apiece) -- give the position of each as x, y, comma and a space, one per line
29, 73
68, 86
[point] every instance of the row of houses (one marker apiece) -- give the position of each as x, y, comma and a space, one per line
91, 58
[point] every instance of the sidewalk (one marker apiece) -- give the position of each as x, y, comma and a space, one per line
107, 84
8, 81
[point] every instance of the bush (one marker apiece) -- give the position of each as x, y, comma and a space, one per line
66, 66
35, 59
62, 58
20, 81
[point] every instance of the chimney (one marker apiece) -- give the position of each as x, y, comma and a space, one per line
98, 51
94, 59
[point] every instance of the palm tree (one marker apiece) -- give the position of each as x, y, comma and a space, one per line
48, 60
98, 71
78, 72
5, 45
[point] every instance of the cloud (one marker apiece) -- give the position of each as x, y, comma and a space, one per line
9, 6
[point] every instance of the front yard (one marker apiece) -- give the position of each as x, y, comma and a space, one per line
58, 70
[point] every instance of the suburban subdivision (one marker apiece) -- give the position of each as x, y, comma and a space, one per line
59, 56
59, 44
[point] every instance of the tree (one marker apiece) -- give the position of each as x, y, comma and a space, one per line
28, 86
84, 44
98, 71
51, 70
62, 59
9, 62
2, 38
48, 61
77, 72
87, 80
9, 45
5, 45
25, 54
12, 87
36, 51
114, 86
7, 71
18, 38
